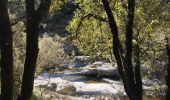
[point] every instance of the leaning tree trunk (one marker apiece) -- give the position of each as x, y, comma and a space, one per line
130, 74
34, 17
6, 45
168, 69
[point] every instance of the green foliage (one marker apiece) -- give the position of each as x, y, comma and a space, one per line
36, 95
56, 5
90, 35
134, 42
93, 37
151, 24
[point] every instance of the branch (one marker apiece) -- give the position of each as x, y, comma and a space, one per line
43, 9
95, 16
98, 17
129, 31
14, 22
17, 3
124, 4
83, 17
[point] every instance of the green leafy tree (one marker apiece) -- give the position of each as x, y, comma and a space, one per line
130, 74
90, 19
148, 36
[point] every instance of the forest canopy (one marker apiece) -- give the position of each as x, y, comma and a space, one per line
59, 39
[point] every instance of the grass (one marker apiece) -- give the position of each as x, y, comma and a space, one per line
36, 95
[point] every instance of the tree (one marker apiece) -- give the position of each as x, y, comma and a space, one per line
33, 20
6, 45
89, 30
168, 69
167, 77
130, 74
91, 34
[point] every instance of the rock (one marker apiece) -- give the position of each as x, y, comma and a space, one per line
114, 88
148, 82
98, 63
101, 69
81, 61
98, 89
69, 90
55, 84
152, 85
58, 96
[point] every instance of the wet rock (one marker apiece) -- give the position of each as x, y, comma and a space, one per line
98, 89
148, 82
81, 61
71, 88
54, 84
101, 69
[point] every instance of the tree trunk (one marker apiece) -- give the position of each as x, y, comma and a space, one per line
34, 17
31, 51
137, 72
116, 44
168, 69
128, 43
131, 77
6, 44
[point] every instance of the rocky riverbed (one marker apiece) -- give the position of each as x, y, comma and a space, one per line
104, 86
92, 80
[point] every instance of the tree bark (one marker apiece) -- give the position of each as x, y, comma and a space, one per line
6, 44
116, 44
31, 51
128, 44
132, 72
168, 69
131, 76
137, 73
34, 17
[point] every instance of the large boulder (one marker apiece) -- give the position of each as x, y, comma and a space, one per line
55, 84
69, 90
101, 69
114, 88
